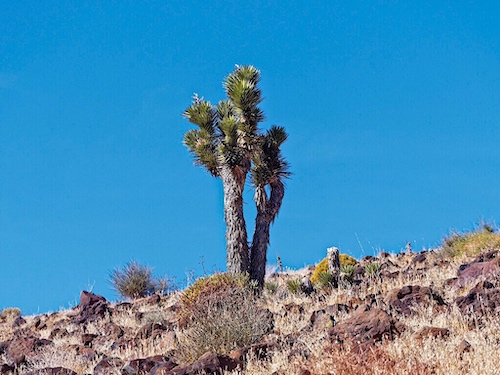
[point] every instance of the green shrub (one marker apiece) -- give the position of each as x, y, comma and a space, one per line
271, 286
471, 243
325, 280
372, 270
221, 313
136, 280
347, 272
322, 266
295, 286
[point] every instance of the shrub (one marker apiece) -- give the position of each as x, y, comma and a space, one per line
222, 314
136, 280
372, 270
271, 286
471, 243
322, 266
10, 313
295, 286
325, 280
347, 272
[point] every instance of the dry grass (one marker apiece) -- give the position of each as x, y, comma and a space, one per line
309, 352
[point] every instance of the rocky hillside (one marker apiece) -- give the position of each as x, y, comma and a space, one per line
434, 312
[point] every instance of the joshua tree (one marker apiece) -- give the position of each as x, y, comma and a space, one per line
228, 144
268, 171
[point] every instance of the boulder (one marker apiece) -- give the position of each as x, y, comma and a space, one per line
91, 308
51, 371
483, 299
366, 327
143, 366
432, 332
403, 300
108, 365
208, 363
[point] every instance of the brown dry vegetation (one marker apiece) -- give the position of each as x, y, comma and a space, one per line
295, 345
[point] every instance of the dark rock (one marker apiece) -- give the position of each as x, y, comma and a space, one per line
405, 299
151, 331
487, 269
51, 371
208, 363
5, 369
108, 366
91, 307
432, 332
366, 327
58, 333
420, 258
163, 368
113, 331
19, 321
87, 339
464, 347
481, 300
20, 347
143, 366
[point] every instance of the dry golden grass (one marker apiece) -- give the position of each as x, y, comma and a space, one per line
310, 350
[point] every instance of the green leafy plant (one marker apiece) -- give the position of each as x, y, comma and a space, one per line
135, 280
295, 286
271, 286
471, 243
372, 270
347, 272
325, 280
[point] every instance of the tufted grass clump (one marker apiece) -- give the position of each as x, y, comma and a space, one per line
372, 270
10, 313
221, 313
347, 272
135, 280
295, 286
471, 243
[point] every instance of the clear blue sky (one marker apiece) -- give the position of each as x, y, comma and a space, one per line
393, 111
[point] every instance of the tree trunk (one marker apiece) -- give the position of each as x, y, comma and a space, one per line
267, 209
236, 232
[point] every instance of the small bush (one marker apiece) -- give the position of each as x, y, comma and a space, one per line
322, 266
271, 286
471, 243
325, 280
221, 314
295, 286
10, 313
347, 260
372, 270
136, 280
347, 272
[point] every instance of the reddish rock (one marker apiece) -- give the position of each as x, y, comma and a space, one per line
91, 307
5, 369
432, 332
143, 366
163, 368
20, 347
321, 320
481, 300
366, 327
208, 363
108, 366
51, 371
113, 331
87, 339
482, 267
405, 299
151, 331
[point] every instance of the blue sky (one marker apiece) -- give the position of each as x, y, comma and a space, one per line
392, 110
